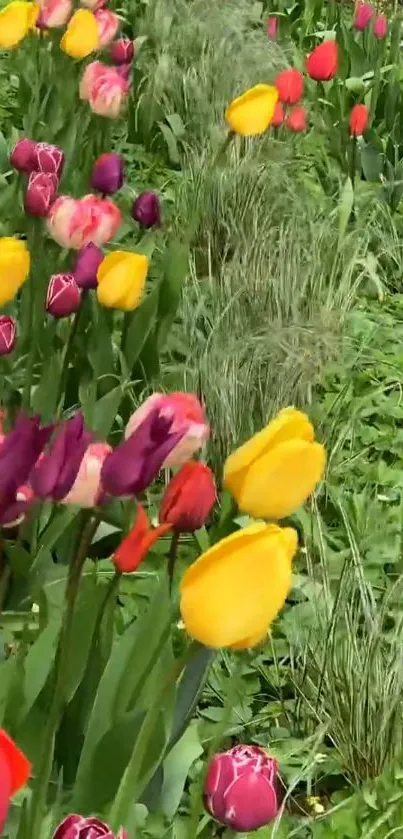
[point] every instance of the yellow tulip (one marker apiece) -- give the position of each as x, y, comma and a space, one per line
82, 34
16, 19
233, 592
121, 280
272, 474
252, 112
14, 267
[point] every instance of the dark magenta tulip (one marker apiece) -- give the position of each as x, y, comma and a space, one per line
54, 476
108, 173
86, 267
146, 209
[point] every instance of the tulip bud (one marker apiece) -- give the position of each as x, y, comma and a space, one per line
381, 27
8, 334
240, 788
278, 116
86, 267
14, 772
290, 86
108, 173
22, 156
122, 51
322, 63
146, 209
108, 25
83, 827
63, 296
124, 71
272, 26
49, 158
55, 473
296, 120
363, 14
189, 498
40, 193
358, 122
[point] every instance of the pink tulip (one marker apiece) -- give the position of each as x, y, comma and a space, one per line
48, 158
381, 27
87, 490
186, 414
40, 193
272, 27
104, 88
108, 25
53, 13
75, 222
122, 51
363, 14
86, 827
22, 156
63, 296
240, 788
8, 334
94, 5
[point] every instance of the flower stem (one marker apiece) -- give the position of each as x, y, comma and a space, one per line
68, 353
173, 550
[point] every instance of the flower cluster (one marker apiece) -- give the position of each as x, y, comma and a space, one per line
365, 14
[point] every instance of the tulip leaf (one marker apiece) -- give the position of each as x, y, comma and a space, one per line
142, 322
106, 410
371, 163
61, 521
39, 662
176, 769
346, 204
91, 596
176, 266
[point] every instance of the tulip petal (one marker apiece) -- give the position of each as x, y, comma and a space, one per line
252, 112
260, 795
121, 280
19, 765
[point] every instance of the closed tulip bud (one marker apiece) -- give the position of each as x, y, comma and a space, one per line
87, 490
121, 280
189, 498
272, 27
278, 116
63, 296
244, 594
53, 13
16, 20
86, 267
146, 209
290, 86
124, 71
55, 473
108, 173
296, 119
122, 51
363, 15
8, 334
14, 773
274, 472
48, 158
81, 37
186, 414
40, 193
19, 452
85, 827
358, 122
137, 543
240, 788
381, 27
22, 156
322, 63
108, 25
252, 112
15, 263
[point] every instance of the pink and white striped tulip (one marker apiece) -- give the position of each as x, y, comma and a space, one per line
240, 788
108, 25
75, 222
53, 13
187, 415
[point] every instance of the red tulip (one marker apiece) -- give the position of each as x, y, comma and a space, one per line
63, 296
189, 498
22, 156
14, 772
381, 27
137, 543
363, 14
8, 334
49, 159
278, 116
321, 64
272, 27
86, 827
240, 788
40, 193
122, 51
296, 119
358, 122
290, 86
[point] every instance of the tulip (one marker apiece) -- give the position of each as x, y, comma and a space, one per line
15, 514
121, 280
381, 27
133, 465
22, 156
137, 543
19, 451
146, 209
8, 334
187, 415
105, 89
272, 27
189, 498
14, 773
363, 15
290, 86
122, 51
274, 472
16, 20
63, 296
108, 173
108, 25
48, 158
233, 592
54, 475
240, 788
358, 122
40, 193
124, 71
75, 222
82, 35
296, 119
53, 13
87, 490
252, 112
85, 827
14, 267
86, 267
94, 5
278, 116
322, 63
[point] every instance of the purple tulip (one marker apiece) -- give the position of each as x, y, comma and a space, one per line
81, 827
23, 155
19, 452
86, 267
133, 465
108, 173
240, 788
8, 334
54, 475
146, 209
63, 296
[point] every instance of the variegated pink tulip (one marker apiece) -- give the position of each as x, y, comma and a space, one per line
87, 490
48, 158
108, 25
86, 827
53, 13
94, 5
104, 88
75, 222
185, 413
240, 788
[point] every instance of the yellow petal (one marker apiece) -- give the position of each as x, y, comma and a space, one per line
16, 19
121, 280
235, 590
252, 641
279, 482
252, 112
14, 267
82, 34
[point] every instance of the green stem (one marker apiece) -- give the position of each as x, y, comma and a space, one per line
173, 550
30, 325
68, 354
56, 709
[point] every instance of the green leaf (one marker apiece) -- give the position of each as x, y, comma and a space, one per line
176, 266
142, 322
176, 769
39, 662
62, 520
371, 163
89, 600
346, 204
105, 411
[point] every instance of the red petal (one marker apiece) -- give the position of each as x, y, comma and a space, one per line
19, 765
